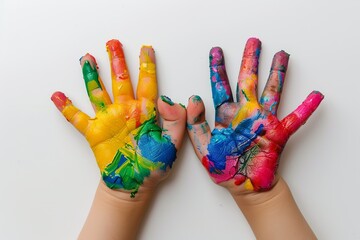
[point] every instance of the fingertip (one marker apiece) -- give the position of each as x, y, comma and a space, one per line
60, 100
169, 110
195, 110
280, 61
314, 99
216, 56
88, 58
253, 40
147, 54
252, 47
318, 94
147, 59
114, 48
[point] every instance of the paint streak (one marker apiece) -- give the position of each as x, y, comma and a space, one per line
167, 100
94, 87
134, 162
182, 105
247, 81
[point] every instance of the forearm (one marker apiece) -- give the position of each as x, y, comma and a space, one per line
274, 214
114, 215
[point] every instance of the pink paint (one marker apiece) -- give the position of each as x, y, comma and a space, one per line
299, 116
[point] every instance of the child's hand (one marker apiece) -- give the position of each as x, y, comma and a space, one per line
248, 138
128, 144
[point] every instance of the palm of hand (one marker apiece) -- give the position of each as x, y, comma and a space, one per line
114, 127
251, 143
128, 144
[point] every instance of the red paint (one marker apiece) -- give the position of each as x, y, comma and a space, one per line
60, 100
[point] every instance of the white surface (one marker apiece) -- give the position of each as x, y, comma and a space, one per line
48, 172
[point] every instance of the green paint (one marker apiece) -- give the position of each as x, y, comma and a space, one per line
196, 98
247, 156
182, 105
198, 118
243, 92
129, 168
92, 83
167, 100
204, 127
91, 77
132, 172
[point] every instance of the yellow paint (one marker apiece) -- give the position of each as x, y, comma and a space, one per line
147, 85
248, 185
114, 127
244, 112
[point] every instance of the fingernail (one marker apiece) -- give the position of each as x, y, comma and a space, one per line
167, 100
147, 59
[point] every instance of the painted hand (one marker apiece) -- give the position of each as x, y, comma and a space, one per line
128, 144
248, 138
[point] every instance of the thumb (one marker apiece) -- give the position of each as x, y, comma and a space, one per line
174, 120
198, 128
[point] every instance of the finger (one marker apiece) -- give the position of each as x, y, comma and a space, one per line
76, 117
298, 117
174, 120
147, 85
198, 128
248, 76
270, 97
98, 95
220, 86
121, 83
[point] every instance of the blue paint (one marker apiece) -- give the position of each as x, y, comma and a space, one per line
231, 142
264, 99
219, 85
157, 149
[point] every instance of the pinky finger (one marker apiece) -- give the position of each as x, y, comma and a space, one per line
298, 117
76, 117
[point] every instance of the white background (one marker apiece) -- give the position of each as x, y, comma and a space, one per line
48, 173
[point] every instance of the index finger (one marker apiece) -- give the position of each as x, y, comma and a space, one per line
220, 86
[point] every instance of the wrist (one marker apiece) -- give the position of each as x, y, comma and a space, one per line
115, 215
118, 196
274, 214
252, 198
